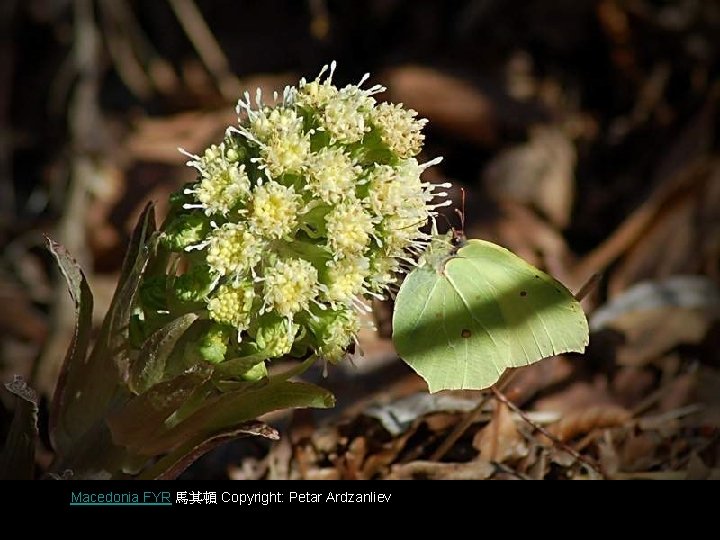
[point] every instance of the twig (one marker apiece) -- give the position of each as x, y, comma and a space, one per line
468, 420
206, 46
633, 228
655, 421
588, 287
158, 68
121, 51
557, 442
501, 467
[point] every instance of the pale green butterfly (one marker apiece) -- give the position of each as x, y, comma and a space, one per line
471, 309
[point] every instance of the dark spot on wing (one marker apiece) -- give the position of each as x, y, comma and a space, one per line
466, 333
537, 277
523, 293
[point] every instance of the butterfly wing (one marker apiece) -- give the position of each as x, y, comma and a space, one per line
462, 324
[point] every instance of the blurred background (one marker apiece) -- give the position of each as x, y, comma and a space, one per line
584, 134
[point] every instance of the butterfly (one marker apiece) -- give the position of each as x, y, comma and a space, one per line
472, 309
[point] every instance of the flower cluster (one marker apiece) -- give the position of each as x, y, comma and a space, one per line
307, 208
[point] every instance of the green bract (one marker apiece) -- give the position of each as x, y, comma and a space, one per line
306, 208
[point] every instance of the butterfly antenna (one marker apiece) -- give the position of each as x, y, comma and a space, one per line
461, 213
447, 220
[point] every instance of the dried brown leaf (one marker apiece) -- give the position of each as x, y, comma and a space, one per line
651, 333
639, 451
630, 385
278, 460
706, 394
23, 321
577, 397
608, 453
678, 392
500, 439
576, 423
529, 380
380, 461
430, 470
350, 463
667, 252
539, 173
326, 473
464, 110
697, 470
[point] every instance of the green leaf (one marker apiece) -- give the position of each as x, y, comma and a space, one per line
73, 372
233, 408
89, 387
148, 366
160, 432
466, 315
173, 464
237, 366
17, 460
143, 417
111, 349
144, 229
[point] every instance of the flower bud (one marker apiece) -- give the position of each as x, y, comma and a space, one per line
184, 231
213, 344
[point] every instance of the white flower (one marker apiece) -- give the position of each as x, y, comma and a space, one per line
271, 122
349, 227
312, 204
345, 279
345, 116
290, 285
223, 182
285, 153
399, 129
233, 249
331, 174
274, 210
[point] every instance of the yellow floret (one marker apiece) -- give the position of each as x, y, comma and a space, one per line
399, 129
285, 153
268, 122
331, 174
290, 286
232, 304
401, 231
223, 182
345, 115
348, 228
233, 250
385, 193
346, 278
274, 210
382, 272
338, 334
315, 94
